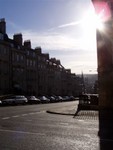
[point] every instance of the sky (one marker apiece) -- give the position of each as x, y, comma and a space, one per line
63, 28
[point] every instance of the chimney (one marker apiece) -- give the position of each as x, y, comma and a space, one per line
38, 50
2, 26
46, 56
18, 38
27, 44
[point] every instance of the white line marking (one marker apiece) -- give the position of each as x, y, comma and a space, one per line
31, 113
43, 111
15, 116
6, 118
23, 132
64, 123
24, 114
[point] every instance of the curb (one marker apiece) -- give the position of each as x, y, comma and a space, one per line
51, 112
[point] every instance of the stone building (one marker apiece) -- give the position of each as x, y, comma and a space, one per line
28, 71
5, 57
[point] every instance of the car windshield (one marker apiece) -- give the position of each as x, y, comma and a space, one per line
32, 97
18, 97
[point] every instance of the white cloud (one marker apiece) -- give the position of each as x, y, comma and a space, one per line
76, 54
70, 24
52, 41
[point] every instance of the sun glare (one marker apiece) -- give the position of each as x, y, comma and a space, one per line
92, 22
98, 22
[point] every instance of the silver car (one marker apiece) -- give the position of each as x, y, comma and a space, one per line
44, 99
17, 99
33, 100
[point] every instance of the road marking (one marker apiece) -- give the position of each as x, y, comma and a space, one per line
64, 123
23, 132
6, 118
21, 115
15, 116
24, 115
32, 113
43, 111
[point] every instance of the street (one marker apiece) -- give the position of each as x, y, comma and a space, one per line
30, 127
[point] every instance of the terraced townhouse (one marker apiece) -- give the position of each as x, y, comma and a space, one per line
28, 71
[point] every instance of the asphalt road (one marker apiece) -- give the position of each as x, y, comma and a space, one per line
30, 127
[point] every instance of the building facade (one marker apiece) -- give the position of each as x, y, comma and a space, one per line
28, 71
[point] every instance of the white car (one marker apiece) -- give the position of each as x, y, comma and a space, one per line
16, 99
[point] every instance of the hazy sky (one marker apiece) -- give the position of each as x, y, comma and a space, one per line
63, 28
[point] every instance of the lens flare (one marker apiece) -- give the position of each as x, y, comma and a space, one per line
102, 10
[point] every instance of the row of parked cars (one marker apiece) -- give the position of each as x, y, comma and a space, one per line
20, 99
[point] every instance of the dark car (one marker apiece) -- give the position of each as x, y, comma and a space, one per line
44, 99
59, 99
66, 98
52, 99
33, 100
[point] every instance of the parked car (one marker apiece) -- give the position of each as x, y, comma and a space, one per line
16, 99
44, 99
52, 99
72, 98
33, 100
59, 98
65, 98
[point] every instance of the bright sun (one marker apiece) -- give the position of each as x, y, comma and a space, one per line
91, 21
98, 22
